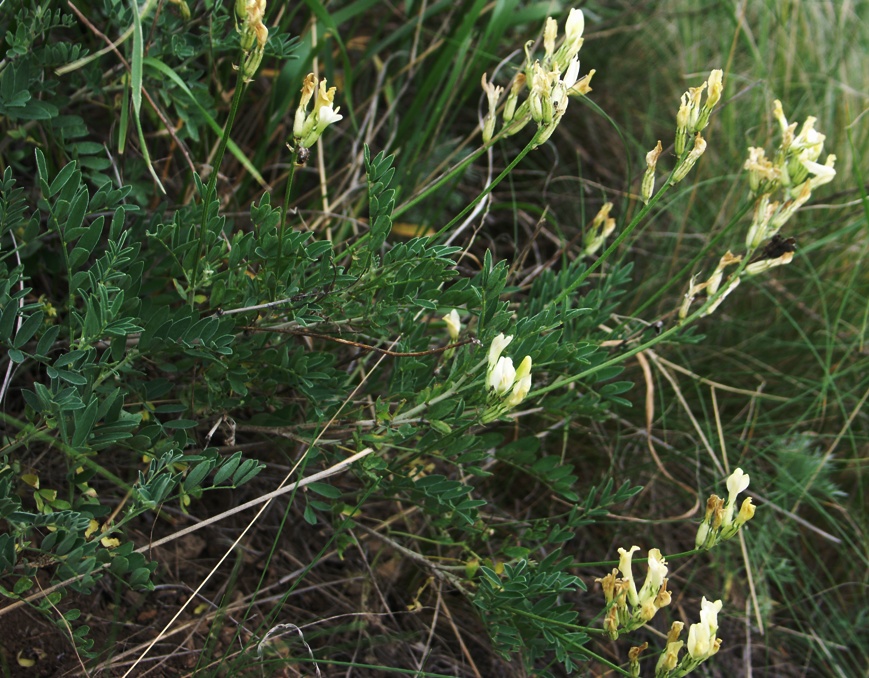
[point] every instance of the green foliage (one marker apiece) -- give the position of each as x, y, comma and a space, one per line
527, 613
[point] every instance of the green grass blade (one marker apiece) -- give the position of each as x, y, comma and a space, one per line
167, 71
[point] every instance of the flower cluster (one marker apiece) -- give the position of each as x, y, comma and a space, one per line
785, 184
307, 127
628, 608
509, 383
549, 82
719, 523
254, 35
790, 177
701, 644
691, 119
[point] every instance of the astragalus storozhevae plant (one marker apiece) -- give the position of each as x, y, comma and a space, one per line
367, 338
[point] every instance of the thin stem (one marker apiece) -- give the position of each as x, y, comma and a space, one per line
530, 146
215, 170
440, 182
575, 285
680, 276
286, 207
564, 381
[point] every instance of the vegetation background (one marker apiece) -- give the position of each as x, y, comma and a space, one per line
377, 570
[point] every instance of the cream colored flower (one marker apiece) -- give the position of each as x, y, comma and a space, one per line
690, 160
648, 186
320, 118
496, 348
453, 323
654, 578
492, 95
502, 376
521, 383
625, 558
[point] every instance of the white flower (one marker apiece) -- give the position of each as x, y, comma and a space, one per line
737, 482
497, 347
699, 641
654, 578
709, 614
571, 74
821, 174
573, 39
502, 376
625, 568
453, 323
522, 383
323, 115
575, 26
327, 116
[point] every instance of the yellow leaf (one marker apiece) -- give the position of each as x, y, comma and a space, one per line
24, 661
48, 495
406, 230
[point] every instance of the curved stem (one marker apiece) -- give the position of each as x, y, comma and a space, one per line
564, 381
215, 170
530, 146
440, 182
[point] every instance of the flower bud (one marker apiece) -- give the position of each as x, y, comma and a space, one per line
648, 186
453, 323
690, 160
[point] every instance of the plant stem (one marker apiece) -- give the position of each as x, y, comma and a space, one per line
530, 146
286, 206
215, 170
440, 182
564, 381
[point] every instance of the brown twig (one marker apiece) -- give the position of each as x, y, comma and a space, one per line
366, 347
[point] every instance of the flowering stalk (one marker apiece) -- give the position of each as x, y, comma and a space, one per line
307, 129
701, 645
549, 82
627, 608
719, 523
510, 385
253, 37
780, 187
785, 184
